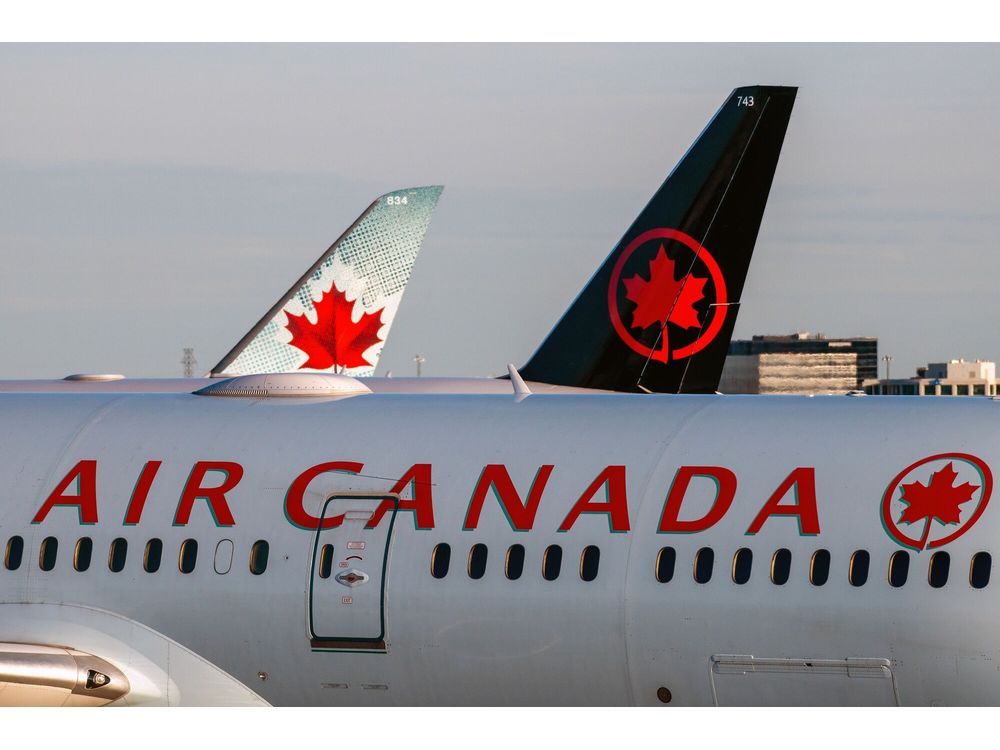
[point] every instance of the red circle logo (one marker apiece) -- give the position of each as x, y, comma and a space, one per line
646, 290
936, 499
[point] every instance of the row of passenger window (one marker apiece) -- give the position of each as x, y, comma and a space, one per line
513, 561
83, 553
938, 567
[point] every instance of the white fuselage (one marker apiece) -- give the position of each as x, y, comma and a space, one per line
602, 467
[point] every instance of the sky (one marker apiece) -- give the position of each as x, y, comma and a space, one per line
160, 197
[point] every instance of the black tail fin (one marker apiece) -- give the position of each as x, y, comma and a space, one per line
659, 313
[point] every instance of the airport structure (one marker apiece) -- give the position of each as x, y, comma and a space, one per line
956, 377
799, 363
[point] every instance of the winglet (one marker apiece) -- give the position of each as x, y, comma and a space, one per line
337, 316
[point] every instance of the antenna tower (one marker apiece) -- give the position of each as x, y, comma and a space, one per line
188, 361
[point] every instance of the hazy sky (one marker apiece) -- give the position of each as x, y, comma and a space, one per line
157, 197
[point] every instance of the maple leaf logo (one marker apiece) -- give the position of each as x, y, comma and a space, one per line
335, 340
938, 500
663, 299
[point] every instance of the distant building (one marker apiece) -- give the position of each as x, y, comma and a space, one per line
956, 377
799, 364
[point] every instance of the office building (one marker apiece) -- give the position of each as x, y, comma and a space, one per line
956, 377
799, 363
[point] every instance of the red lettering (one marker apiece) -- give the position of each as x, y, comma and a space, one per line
140, 492
520, 515
421, 503
84, 475
295, 497
216, 496
803, 479
615, 506
725, 491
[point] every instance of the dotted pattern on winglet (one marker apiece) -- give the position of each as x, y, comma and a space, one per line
371, 265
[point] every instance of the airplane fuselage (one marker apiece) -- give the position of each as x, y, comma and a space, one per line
592, 546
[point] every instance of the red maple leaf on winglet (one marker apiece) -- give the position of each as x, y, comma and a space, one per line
939, 499
335, 339
662, 298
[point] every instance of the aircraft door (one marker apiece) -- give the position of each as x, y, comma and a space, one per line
347, 578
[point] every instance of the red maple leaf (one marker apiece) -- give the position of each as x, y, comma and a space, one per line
662, 298
937, 500
335, 340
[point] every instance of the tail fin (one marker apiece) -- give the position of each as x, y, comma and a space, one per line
659, 313
337, 317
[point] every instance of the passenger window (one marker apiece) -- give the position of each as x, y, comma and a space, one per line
82, 554
189, 556
152, 556
47, 553
857, 574
937, 571
590, 561
117, 554
15, 551
258, 557
440, 559
742, 563
704, 559
514, 563
551, 562
781, 565
819, 567
899, 568
325, 561
979, 571
477, 561
665, 560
